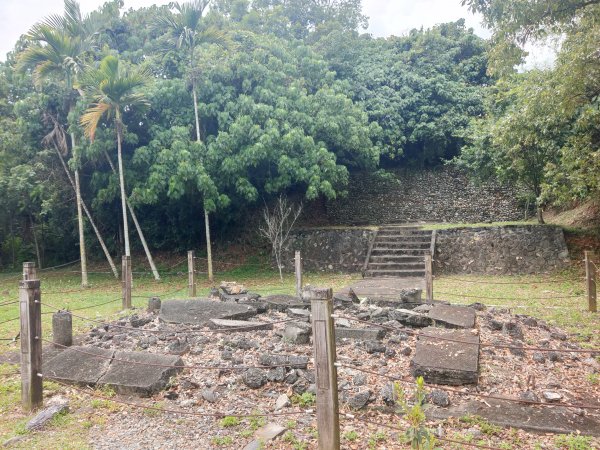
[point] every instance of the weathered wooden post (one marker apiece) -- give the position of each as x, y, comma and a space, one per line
29, 272
191, 274
126, 281
429, 277
328, 424
30, 314
298, 269
590, 276
62, 329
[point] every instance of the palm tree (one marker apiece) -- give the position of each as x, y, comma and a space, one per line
112, 89
187, 31
60, 46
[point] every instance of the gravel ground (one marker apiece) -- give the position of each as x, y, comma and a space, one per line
502, 372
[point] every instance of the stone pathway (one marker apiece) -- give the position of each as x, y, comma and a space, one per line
386, 288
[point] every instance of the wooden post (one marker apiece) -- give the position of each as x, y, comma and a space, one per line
298, 267
429, 277
31, 341
328, 422
191, 274
590, 276
126, 281
29, 272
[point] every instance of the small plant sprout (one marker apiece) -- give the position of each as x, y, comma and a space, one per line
419, 437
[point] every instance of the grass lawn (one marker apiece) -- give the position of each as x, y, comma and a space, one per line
558, 298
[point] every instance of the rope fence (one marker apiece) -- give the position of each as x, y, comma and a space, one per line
459, 341
324, 363
218, 415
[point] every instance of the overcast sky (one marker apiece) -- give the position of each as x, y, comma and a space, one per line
386, 17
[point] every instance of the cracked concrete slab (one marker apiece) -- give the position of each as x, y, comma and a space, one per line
146, 378
450, 316
199, 312
79, 365
506, 413
446, 362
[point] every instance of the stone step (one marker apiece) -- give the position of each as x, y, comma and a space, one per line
394, 273
396, 266
395, 238
386, 251
396, 259
401, 244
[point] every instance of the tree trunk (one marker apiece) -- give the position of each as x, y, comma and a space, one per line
35, 241
122, 185
540, 215
12, 242
89, 216
208, 247
137, 227
82, 253
206, 218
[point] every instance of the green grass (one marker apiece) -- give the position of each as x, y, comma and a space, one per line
229, 421
447, 226
557, 298
573, 442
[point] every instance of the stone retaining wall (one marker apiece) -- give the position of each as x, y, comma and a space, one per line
500, 250
515, 249
444, 194
339, 250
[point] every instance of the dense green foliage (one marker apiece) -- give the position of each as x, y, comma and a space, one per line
290, 98
542, 127
245, 100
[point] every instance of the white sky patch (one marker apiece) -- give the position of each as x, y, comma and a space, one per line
386, 18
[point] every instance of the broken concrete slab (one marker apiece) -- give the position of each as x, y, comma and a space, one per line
146, 374
233, 326
283, 302
363, 334
199, 312
78, 365
507, 413
410, 318
265, 434
452, 316
446, 362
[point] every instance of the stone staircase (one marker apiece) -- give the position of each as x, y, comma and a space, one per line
398, 251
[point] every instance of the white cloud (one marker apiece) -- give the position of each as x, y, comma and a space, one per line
399, 17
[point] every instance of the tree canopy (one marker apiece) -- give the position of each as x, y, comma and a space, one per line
247, 100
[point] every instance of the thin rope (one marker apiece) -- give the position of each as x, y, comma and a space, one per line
481, 344
474, 394
188, 413
172, 366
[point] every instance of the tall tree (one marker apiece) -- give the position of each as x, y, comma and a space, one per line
60, 47
113, 88
519, 138
188, 32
